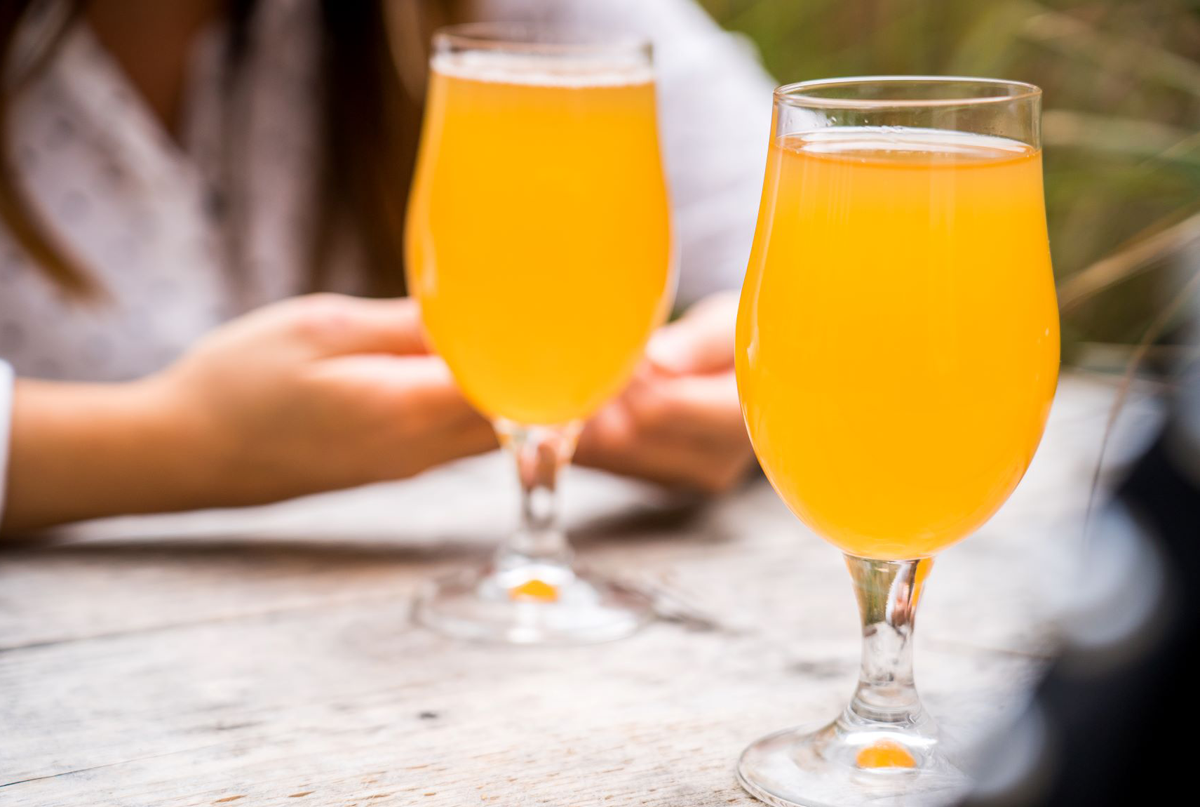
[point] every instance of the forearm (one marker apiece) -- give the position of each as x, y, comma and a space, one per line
81, 451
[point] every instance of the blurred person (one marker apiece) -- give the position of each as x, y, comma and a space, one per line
174, 172
1110, 719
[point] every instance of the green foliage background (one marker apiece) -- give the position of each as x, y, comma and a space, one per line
1121, 125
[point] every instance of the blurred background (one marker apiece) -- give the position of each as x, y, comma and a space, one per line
1121, 132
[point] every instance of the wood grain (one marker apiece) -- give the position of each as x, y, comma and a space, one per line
266, 656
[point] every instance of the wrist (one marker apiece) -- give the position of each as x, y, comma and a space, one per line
174, 444
81, 451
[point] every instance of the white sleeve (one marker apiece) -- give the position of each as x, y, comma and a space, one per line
714, 118
6, 392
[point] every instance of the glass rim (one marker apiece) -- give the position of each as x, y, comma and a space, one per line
806, 93
537, 39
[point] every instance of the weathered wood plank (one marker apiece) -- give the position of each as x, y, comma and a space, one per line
262, 709
266, 657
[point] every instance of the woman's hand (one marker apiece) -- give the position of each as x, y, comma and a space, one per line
322, 392
678, 422
311, 394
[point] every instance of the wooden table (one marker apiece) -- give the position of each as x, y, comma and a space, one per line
266, 657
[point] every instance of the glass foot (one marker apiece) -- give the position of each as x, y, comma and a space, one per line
532, 604
838, 766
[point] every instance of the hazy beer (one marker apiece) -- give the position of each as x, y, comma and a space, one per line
898, 338
539, 237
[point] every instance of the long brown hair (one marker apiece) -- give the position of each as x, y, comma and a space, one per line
373, 57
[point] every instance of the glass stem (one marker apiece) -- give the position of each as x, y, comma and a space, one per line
540, 453
888, 593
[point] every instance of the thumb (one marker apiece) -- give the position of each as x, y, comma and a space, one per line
702, 341
339, 325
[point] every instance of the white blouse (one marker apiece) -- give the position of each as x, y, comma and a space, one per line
146, 215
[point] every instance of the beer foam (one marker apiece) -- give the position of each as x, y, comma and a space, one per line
544, 71
899, 141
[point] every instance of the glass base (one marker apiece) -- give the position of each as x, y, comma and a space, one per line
839, 766
532, 604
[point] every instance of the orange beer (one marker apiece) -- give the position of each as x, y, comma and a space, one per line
897, 344
538, 237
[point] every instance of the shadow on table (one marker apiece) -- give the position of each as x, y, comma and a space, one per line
682, 519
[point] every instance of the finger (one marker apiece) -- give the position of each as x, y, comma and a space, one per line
705, 407
439, 424
444, 425
702, 341
335, 325
665, 459
609, 429
473, 436
423, 382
